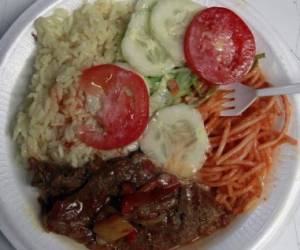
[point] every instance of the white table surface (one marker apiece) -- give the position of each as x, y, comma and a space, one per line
283, 15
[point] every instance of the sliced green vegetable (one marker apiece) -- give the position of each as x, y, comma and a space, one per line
204, 94
141, 51
169, 20
145, 4
176, 140
153, 83
161, 97
173, 87
186, 80
258, 57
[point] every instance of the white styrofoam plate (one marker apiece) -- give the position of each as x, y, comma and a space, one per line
18, 206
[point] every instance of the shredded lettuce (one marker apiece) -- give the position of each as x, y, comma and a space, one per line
161, 97
257, 58
188, 86
186, 80
153, 83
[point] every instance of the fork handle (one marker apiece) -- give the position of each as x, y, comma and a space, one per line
282, 90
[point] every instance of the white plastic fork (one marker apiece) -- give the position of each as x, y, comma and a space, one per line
240, 96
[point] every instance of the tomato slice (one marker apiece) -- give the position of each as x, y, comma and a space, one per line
124, 111
219, 47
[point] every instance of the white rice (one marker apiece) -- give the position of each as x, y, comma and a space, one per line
55, 107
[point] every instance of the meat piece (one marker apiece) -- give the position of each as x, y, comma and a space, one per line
74, 215
133, 201
165, 211
192, 215
199, 213
53, 180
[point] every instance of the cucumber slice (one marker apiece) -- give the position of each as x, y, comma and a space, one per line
176, 140
145, 4
169, 20
141, 51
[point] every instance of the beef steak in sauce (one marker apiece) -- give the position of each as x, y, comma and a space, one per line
159, 211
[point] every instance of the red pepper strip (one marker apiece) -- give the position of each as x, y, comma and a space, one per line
132, 237
158, 182
152, 184
132, 201
148, 166
127, 188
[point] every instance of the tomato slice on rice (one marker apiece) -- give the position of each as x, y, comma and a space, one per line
124, 111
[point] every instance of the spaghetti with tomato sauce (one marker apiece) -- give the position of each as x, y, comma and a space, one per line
243, 147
